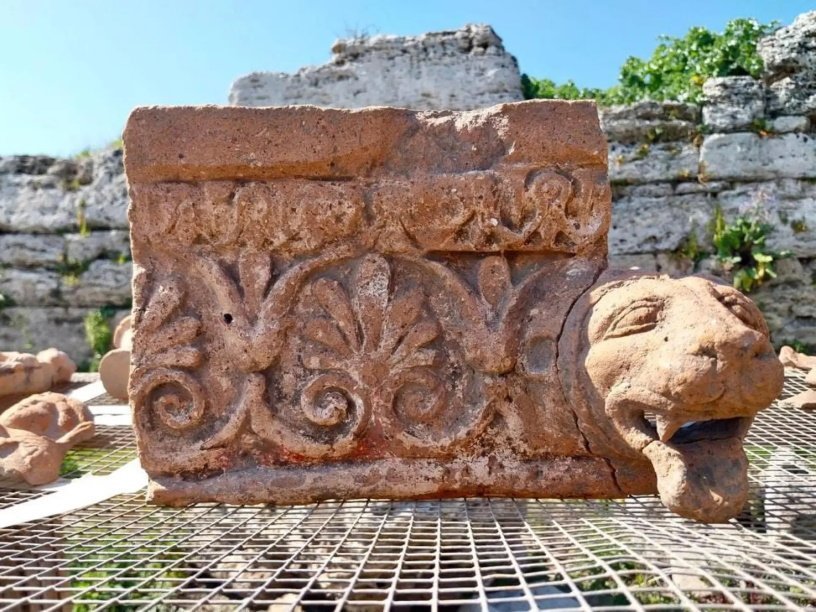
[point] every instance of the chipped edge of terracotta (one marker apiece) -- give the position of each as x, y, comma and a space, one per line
402, 478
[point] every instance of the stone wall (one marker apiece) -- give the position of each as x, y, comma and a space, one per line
64, 249
749, 148
460, 69
63, 226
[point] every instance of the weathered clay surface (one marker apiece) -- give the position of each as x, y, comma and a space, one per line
805, 399
790, 358
114, 368
693, 355
36, 433
23, 373
390, 303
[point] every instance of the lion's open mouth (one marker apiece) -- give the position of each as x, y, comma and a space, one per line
682, 430
700, 465
696, 452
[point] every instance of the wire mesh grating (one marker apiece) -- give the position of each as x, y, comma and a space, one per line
465, 554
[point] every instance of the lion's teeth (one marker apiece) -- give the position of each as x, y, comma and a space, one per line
667, 426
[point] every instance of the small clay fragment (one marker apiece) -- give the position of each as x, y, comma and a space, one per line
23, 373
810, 378
790, 358
36, 433
114, 369
805, 399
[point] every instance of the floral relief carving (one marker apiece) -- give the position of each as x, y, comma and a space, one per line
165, 346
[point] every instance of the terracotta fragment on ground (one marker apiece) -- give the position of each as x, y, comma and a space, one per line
22, 374
389, 303
36, 433
790, 358
114, 368
805, 399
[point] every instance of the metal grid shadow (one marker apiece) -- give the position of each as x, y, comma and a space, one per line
474, 554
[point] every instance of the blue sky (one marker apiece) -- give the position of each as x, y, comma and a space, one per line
71, 70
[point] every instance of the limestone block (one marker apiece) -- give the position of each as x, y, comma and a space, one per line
790, 309
650, 224
393, 303
105, 201
649, 122
650, 110
747, 156
31, 250
646, 190
34, 287
104, 283
26, 164
461, 69
644, 163
789, 55
674, 264
733, 103
688, 187
33, 329
35, 204
111, 244
789, 123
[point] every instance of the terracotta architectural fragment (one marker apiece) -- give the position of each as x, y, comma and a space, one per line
22, 374
36, 433
114, 368
389, 303
790, 358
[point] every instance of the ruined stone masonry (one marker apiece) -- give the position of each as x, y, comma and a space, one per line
462, 69
395, 303
750, 144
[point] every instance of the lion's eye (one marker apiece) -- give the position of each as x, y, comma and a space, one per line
743, 310
637, 318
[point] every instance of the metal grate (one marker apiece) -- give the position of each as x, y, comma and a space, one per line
474, 554
109, 449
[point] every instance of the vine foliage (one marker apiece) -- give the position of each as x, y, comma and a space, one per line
676, 70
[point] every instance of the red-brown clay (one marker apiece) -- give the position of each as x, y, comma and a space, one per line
36, 433
114, 368
22, 374
790, 358
389, 303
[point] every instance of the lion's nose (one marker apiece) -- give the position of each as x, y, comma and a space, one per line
729, 344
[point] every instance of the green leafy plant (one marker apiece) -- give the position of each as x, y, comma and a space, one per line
799, 346
71, 269
741, 249
98, 334
677, 68
690, 249
82, 220
547, 88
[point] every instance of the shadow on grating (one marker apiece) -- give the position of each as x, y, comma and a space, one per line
474, 554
